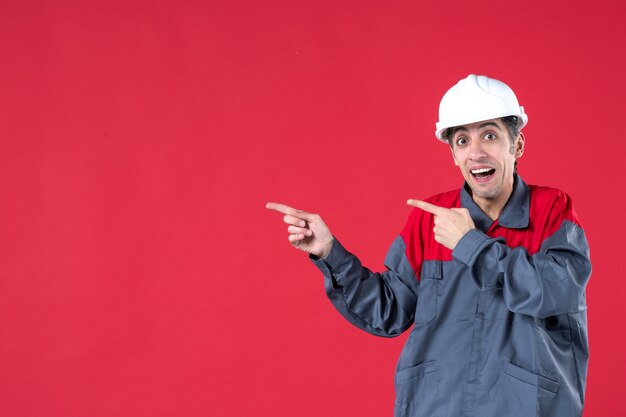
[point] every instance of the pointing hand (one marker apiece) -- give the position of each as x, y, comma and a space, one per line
451, 224
307, 231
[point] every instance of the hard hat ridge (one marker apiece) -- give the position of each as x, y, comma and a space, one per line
474, 99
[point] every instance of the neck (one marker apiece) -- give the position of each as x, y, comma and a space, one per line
493, 207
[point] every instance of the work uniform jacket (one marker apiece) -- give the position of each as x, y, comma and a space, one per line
499, 323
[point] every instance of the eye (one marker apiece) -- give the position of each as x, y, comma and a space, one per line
461, 141
490, 136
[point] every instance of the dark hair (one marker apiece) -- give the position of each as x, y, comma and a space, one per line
512, 125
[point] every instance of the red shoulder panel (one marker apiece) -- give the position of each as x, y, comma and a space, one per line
549, 207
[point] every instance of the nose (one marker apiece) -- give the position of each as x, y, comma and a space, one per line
476, 151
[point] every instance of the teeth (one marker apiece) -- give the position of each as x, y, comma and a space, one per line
480, 171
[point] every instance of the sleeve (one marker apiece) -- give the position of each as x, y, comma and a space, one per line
547, 283
382, 304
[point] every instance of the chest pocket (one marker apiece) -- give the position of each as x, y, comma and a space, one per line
430, 277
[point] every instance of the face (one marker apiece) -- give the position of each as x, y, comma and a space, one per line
484, 153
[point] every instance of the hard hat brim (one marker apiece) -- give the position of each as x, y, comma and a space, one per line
441, 128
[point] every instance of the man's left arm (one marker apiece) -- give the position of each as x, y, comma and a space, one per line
549, 282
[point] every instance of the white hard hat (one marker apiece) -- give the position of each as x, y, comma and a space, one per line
474, 99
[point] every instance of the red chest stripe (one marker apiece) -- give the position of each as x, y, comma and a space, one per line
549, 207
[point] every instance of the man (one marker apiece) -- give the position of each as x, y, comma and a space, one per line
492, 277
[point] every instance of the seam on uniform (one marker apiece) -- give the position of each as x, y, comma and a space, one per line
576, 365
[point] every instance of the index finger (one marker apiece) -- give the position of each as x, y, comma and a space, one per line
431, 208
281, 208
285, 209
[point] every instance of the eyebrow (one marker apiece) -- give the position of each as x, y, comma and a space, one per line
482, 125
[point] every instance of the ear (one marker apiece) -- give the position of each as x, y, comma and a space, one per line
519, 145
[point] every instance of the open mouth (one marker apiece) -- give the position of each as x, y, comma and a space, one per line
482, 173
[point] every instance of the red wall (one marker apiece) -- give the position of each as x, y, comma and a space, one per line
141, 275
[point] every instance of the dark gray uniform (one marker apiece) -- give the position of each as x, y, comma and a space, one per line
499, 324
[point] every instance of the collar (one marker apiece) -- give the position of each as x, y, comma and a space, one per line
516, 210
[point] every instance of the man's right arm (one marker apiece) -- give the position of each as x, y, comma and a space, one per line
382, 304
